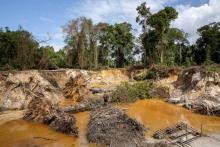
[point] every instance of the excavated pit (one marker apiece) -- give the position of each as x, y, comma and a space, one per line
42, 88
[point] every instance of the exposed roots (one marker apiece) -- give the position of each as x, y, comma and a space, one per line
76, 88
42, 111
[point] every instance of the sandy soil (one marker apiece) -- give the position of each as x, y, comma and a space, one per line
208, 141
7, 116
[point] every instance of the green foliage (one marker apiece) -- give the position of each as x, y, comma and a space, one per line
127, 93
82, 38
120, 41
161, 44
93, 46
17, 48
143, 15
208, 45
213, 68
47, 58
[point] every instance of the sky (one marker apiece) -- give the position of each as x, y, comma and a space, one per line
46, 18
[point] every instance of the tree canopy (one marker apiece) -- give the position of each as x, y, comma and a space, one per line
92, 46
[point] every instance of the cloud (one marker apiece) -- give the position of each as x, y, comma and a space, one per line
112, 11
191, 18
115, 11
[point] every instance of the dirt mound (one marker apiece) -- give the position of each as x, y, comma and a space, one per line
156, 73
189, 78
76, 88
43, 111
110, 126
198, 89
206, 105
109, 78
197, 79
19, 88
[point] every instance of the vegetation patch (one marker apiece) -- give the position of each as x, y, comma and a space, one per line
131, 92
160, 92
213, 68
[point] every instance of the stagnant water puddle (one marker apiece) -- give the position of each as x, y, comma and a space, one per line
157, 114
154, 114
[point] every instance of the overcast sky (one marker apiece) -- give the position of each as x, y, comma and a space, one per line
48, 16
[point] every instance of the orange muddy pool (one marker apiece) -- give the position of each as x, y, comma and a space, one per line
154, 114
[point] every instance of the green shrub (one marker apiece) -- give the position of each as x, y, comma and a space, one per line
127, 93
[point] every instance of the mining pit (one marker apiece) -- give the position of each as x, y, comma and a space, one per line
75, 95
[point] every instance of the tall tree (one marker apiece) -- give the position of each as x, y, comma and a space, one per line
161, 23
142, 19
156, 29
17, 48
143, 15
82, 38
177, 46
119, 39
208, 45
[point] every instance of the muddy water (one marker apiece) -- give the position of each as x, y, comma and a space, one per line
20, 133
154, 114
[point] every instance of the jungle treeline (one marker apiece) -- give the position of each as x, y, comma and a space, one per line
94, 46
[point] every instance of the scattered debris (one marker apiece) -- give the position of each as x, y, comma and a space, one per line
43, 111
99, 90
207, 106
85, 105
155, 73
160, 91
18, 89
179, 134
174, 100
76, 88
197, 89
110, 126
